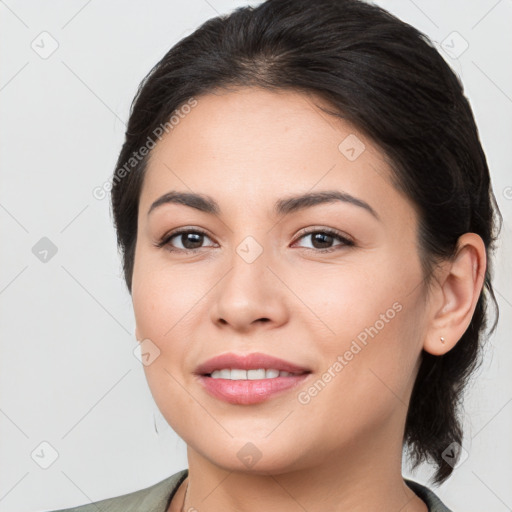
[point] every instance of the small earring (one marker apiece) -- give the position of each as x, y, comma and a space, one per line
154, 424
442, 339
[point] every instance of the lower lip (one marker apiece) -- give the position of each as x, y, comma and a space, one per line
244, 392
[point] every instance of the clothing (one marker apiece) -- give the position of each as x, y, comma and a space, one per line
157, 498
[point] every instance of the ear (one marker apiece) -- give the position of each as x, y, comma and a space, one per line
137, 334
453, 300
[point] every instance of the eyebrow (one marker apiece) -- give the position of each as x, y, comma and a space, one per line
284, 206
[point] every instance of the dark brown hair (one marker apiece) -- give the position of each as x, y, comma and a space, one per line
386, 78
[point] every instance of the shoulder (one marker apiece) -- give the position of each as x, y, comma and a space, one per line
155, 498
434, 504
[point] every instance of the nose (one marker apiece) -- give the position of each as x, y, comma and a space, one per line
249, 296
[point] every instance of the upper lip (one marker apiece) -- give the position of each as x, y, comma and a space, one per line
251, 361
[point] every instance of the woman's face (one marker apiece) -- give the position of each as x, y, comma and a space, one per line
259, 281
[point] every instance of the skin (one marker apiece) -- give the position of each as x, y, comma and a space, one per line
247, 148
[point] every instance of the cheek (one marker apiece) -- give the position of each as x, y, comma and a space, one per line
365, 378
342, 299
164, 312
164, 297
371, 318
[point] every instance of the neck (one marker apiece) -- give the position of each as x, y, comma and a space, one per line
367, 477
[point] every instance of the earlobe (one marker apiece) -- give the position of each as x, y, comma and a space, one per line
137, 334
456, 296
440, 345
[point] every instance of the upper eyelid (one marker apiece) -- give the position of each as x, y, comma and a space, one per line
309, 231
181, 231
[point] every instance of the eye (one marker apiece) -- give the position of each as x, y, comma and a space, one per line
190, 240
322, 239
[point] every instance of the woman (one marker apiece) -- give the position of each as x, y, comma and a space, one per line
306, 221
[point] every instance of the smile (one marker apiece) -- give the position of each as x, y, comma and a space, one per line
239, 374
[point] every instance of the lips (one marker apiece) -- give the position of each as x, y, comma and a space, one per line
253, 361
250, 391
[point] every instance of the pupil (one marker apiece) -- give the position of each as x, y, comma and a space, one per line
191, 237
322, 238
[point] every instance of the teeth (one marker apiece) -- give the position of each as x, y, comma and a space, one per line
237, 374
255, 374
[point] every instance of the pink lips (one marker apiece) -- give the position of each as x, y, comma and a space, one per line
248, 391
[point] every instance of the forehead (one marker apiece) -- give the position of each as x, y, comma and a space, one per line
236, 121
255, 144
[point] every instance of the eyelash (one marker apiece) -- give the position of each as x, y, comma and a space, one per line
165, 241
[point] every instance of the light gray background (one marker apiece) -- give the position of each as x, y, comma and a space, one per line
68, 374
